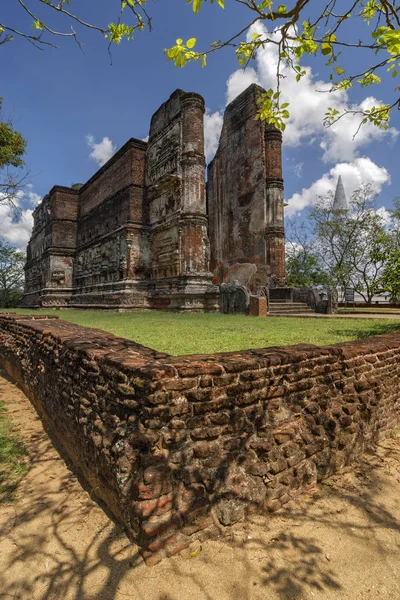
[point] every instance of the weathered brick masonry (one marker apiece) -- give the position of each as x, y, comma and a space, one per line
141, 233
179, 447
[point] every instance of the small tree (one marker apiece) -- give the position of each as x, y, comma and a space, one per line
303, 268
12, 149
387, 250
346, 242
12, 263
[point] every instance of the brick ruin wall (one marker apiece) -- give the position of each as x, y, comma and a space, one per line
142, 233
135, 235
245, 198
180, 447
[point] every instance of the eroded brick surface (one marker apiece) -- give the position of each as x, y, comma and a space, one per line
245, 198
140, 233
174, 445
135, 235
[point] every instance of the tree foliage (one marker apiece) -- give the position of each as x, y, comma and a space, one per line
346, 242
353, 248
303, 267
12, 149
305, 27
12, 263
387, 250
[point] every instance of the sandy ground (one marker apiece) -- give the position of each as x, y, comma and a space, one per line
341, 541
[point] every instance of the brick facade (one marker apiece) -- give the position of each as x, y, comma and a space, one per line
140, 233
178, 447
245, 198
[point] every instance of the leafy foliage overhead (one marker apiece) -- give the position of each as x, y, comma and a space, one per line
304, 27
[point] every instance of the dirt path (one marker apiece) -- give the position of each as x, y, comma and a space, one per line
342, 542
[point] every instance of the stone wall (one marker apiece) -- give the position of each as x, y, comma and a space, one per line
177, 206
245, 198
138, 236
112, 264
181, 447
51, 249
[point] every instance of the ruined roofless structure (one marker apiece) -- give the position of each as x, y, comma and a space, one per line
142, 233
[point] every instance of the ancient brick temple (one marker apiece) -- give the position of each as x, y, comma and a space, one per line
142, 232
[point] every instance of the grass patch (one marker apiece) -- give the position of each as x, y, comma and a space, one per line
12, 458
180, 334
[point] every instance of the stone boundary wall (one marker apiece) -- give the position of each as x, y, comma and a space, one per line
181, 447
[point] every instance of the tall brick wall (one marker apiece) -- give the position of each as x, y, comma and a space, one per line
178, 447
124, 169
139, 238
177, 206
245, 198
113, 256
52, 247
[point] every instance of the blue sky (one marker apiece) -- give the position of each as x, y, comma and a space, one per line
59, 97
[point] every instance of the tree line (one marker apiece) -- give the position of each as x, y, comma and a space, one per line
358, 247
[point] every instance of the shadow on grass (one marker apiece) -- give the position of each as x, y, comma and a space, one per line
362, 334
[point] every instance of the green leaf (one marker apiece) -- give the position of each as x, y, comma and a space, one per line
191, 43
196, 5
326, 49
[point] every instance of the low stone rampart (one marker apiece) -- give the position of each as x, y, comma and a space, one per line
181, 447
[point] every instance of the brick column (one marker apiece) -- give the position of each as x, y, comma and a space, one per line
274, 230
193, 221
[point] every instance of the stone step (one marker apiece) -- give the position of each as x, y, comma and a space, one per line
300, 309
289, 308
283, 304
290, 314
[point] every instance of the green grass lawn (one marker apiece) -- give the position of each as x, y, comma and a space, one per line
12, 454
179, 334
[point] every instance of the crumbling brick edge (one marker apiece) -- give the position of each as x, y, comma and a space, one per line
180, 447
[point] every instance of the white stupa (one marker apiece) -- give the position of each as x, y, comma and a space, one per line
340, 201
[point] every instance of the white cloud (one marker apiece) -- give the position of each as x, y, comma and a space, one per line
102, 151
298, 169
32, 198
239, 81
309, 101
16, 222
384, 215
212, 130
354, 174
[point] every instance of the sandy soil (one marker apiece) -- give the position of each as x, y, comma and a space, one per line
341, 541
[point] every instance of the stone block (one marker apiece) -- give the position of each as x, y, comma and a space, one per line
258, 306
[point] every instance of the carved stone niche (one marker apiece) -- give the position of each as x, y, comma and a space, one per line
234, 298
58, 277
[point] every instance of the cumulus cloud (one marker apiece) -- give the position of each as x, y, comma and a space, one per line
309, 101
102, 151
212, 131
16, 221
354, 174
239, 81
30, 197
